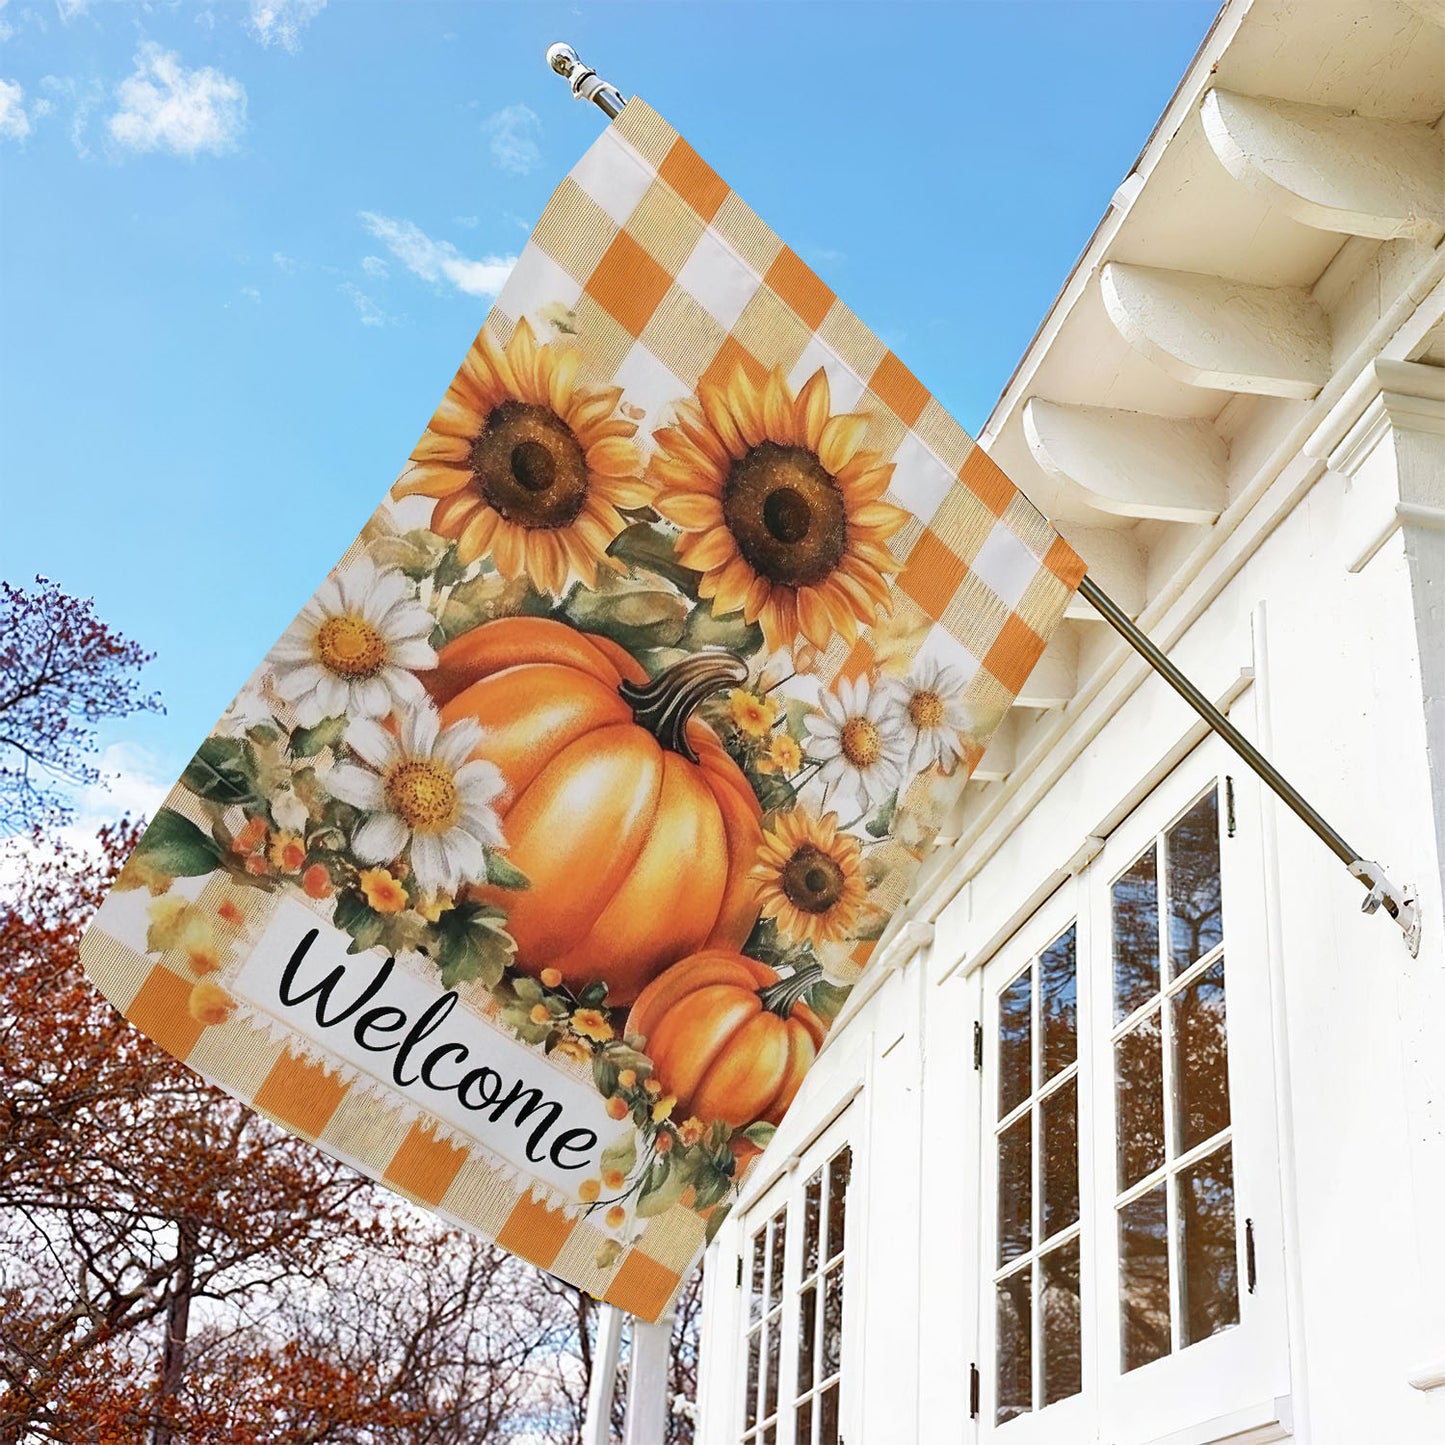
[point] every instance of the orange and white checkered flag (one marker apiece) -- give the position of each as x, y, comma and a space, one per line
532, 866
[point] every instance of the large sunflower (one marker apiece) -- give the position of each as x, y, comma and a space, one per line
781, 512
526, 463
809, 877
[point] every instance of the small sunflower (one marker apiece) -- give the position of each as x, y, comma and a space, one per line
781, 512
753, 715
809, 877
784, 756
526, 464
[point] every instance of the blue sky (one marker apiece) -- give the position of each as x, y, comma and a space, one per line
244, 245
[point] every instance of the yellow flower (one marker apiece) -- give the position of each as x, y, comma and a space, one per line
383, 892
592, 1023
809, 877
663, 1108
209, 1003
754, 715
433, 905
781, 511
525, 463
784, 756
690, 1130
571, 1049
287, 852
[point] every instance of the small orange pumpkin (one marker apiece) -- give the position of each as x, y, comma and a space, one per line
728, 1037
635, 828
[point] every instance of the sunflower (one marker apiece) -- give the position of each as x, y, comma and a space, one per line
524, 462
809, 877
781, 512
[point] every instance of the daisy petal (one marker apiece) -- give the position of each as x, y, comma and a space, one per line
358, 786
379, 839
371, 742
428, 862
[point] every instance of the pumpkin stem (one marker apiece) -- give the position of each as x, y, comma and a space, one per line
664, 704
780, 997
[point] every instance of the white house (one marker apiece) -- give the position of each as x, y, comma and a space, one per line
1147, 1144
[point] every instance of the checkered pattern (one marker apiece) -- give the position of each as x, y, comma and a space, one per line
666, 278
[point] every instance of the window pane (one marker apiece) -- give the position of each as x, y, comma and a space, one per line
1060, 1145
828, 1418
1015, 1067
755, 1293
1144, 1280
803, 1435
1192, 848
1058, 1004
840, 1170
1206, 1252
770, 1436
770, 1383
807, 1327
832, 1322
1139, 1100
751, 1417
1015, 1347
1063, 1370
812, 1209
1136, 936
1201, 1059
775, 1259
1015, 1198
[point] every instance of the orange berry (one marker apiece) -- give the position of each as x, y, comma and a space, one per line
664, 1142
617, 1107
588, 1190
616, 1216
552, 977
627, 1078
316, 882
541, 1014
613, 1178
230, 913
652, 1086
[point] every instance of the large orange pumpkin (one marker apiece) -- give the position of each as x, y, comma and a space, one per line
634, 827
728, 1037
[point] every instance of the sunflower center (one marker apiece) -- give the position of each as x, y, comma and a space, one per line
350, 646
925, 709
423, 795
861, 742
812, 880
787, 514
528, 465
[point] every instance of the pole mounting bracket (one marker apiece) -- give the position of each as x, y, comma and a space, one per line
1399, 901
585, 82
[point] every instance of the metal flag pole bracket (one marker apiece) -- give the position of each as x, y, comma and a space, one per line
1399, 902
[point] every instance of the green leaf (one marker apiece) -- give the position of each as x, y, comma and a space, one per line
604, 1075
223, 771
760, 1133
729, 631
593, 996
637, 619
416, 553
355, 916
504, 874
648, 548
473, 944
711, 1185
882, 821
621, 1156
715, 1222
662, 1187
527, 989
774, 792
308, 742
175, 846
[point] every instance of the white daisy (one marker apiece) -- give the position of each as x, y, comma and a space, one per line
930, 712
859, 741
423, 790
350, 652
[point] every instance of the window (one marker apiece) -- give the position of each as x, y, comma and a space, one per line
793, 1318
1178, 1281
1037, 1141
1130, 1232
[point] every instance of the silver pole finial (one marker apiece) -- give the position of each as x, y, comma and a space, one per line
585, 82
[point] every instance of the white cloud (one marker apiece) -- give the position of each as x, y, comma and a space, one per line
282, 21
14, 123
438, 260
6, 29
366, 309
374, 267
164, 106
283, 262
69, 9
514, 132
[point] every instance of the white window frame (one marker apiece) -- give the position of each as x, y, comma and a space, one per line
1241, 1367
788, 1190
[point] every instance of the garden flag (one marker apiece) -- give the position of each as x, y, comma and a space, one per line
531, 867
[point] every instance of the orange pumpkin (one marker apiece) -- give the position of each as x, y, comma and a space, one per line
729, 1038
634, 827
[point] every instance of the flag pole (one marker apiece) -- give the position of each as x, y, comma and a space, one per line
1399, 902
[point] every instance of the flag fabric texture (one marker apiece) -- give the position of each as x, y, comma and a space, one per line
530, 870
